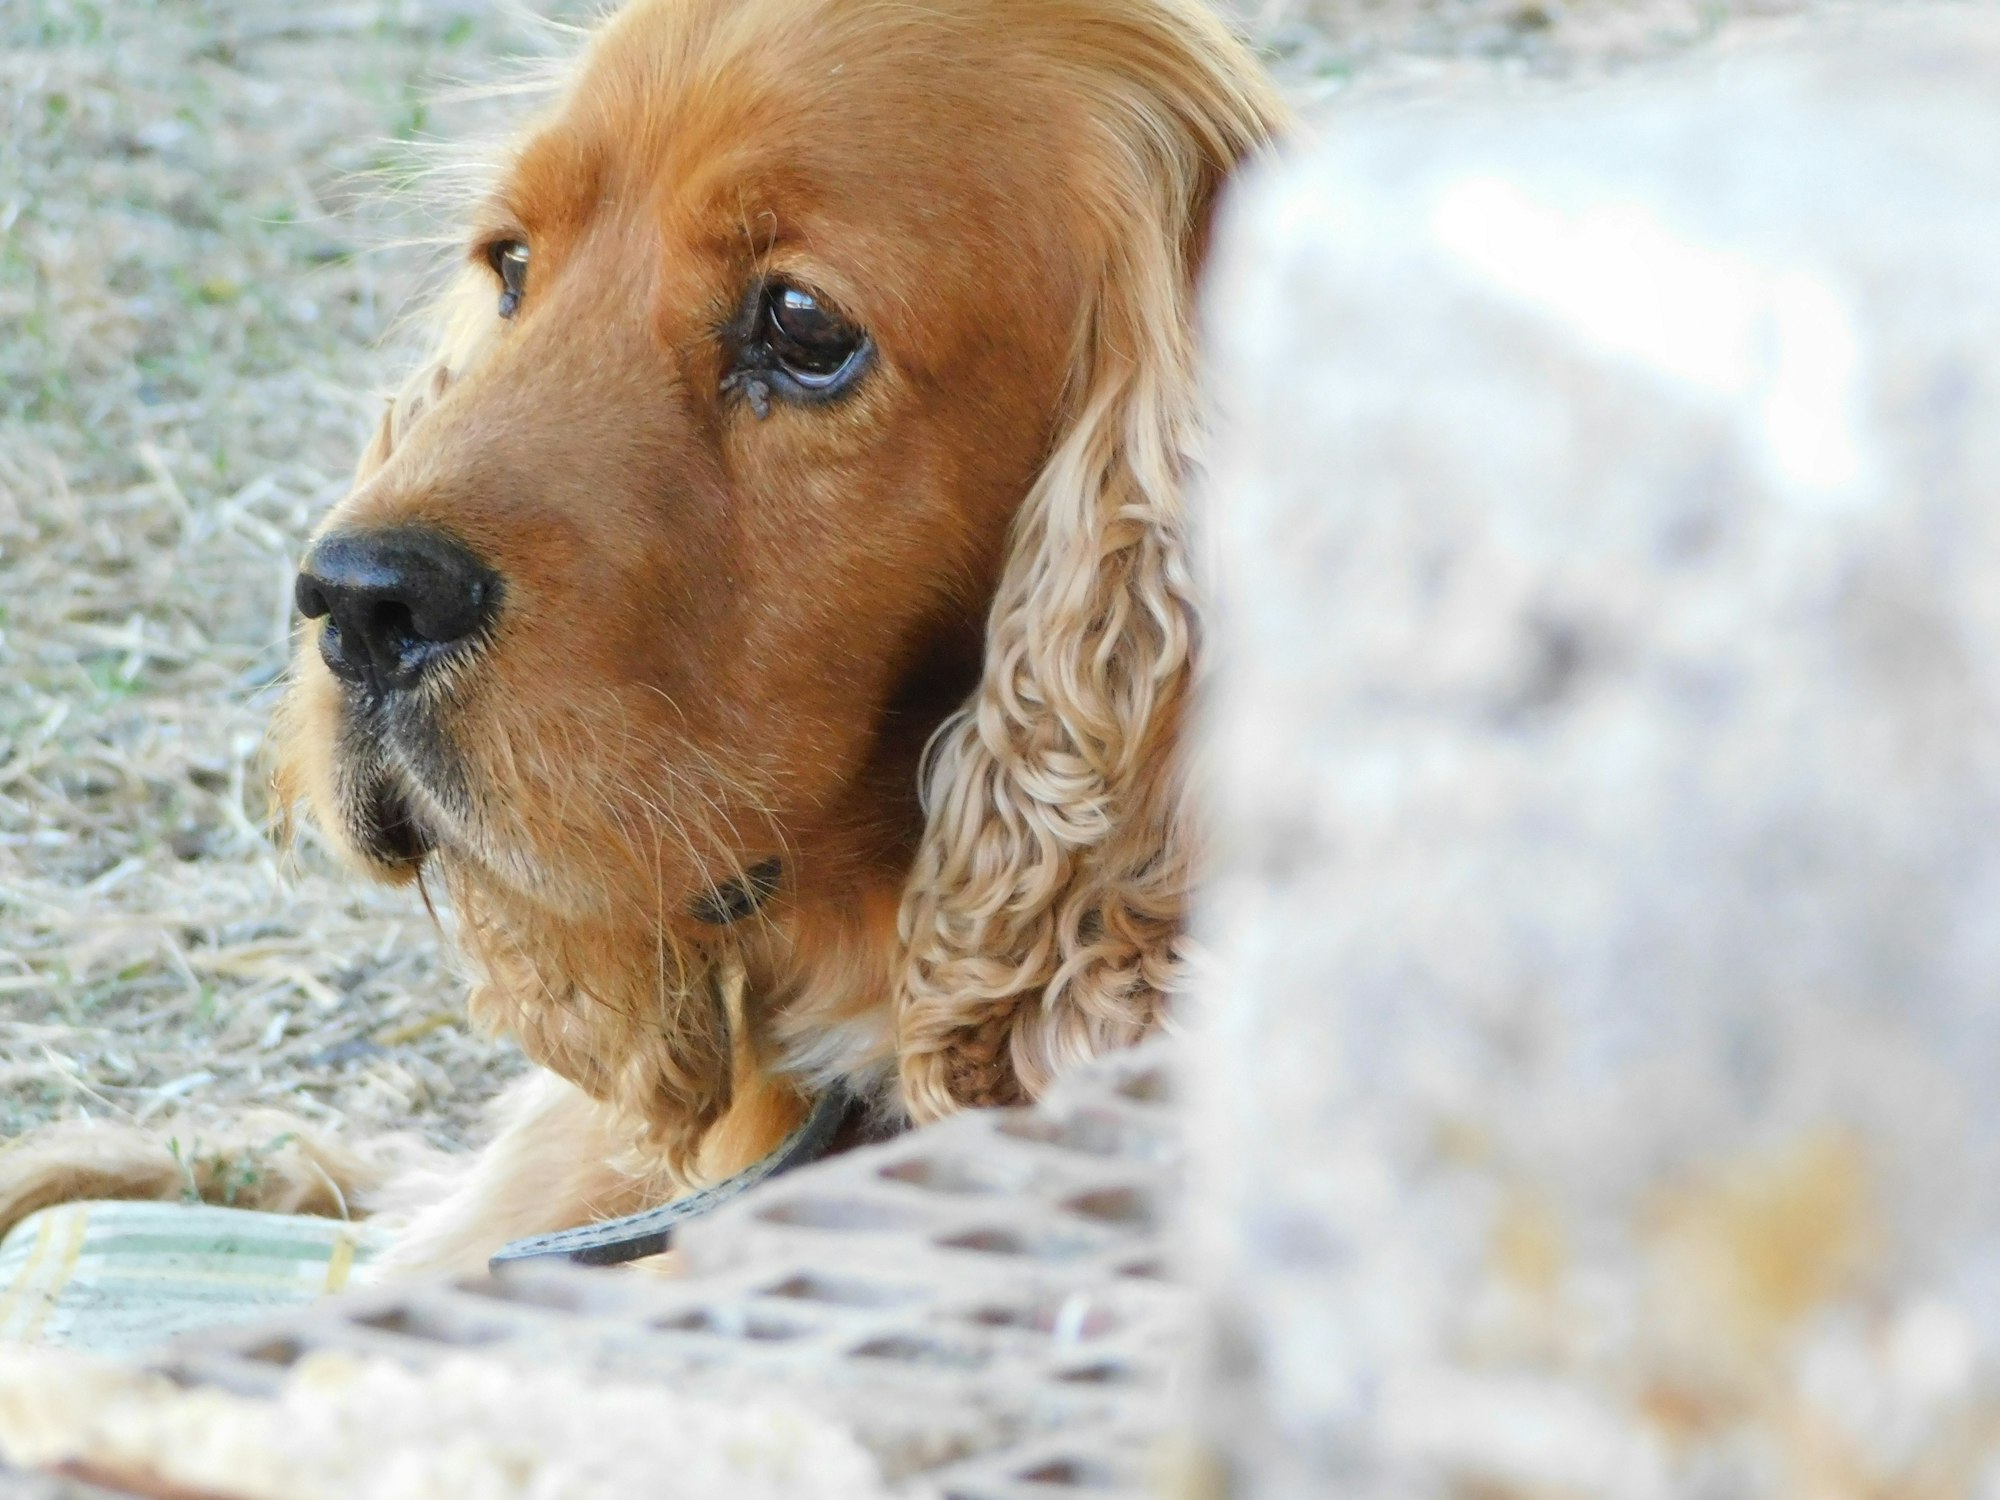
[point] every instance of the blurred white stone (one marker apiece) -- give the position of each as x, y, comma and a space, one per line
1600, 1091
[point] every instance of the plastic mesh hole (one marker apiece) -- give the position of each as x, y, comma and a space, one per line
1128, 1208
1067, 1319
1154, 1086
1090, 1133
852, 1214
944, 1174
841, 1293
284, 1351
574, 1292
1071, 1473
734, 1323
1008, 1242
1149, 1269
1107, 1372
919, 1351
422, 1323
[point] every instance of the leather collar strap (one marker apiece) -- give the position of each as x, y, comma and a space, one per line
618, 1240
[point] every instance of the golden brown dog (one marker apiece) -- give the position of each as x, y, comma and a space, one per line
770, 617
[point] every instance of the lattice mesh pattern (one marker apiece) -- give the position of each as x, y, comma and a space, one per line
982, 1302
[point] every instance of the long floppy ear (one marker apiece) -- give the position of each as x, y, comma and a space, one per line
1043, 916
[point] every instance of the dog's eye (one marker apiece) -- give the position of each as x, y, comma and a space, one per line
509, 259
808, 340
789, 344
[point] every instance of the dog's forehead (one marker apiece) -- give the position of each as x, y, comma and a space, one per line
777, 115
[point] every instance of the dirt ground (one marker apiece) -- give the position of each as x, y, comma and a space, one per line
207, 216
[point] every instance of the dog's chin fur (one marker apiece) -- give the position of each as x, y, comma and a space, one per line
923, 650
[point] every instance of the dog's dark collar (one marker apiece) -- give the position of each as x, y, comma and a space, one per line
618, 1240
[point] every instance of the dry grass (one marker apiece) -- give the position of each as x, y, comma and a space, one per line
1332, 52
190, 327
191, 332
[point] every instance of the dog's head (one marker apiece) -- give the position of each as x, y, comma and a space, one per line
817, 392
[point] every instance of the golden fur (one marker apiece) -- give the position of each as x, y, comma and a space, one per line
925, 648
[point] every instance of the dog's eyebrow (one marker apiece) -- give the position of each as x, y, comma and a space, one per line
556, 180
495, 217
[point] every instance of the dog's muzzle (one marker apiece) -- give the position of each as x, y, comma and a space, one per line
397, 602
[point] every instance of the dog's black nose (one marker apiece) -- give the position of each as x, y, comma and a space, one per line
393, 601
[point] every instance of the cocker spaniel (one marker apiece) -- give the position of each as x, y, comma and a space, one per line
770, 616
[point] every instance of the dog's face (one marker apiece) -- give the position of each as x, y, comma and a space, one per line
657, 603
820, 376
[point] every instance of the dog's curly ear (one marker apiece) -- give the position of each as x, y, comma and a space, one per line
1042, 919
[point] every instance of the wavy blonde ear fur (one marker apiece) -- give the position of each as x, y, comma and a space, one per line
1043, 917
